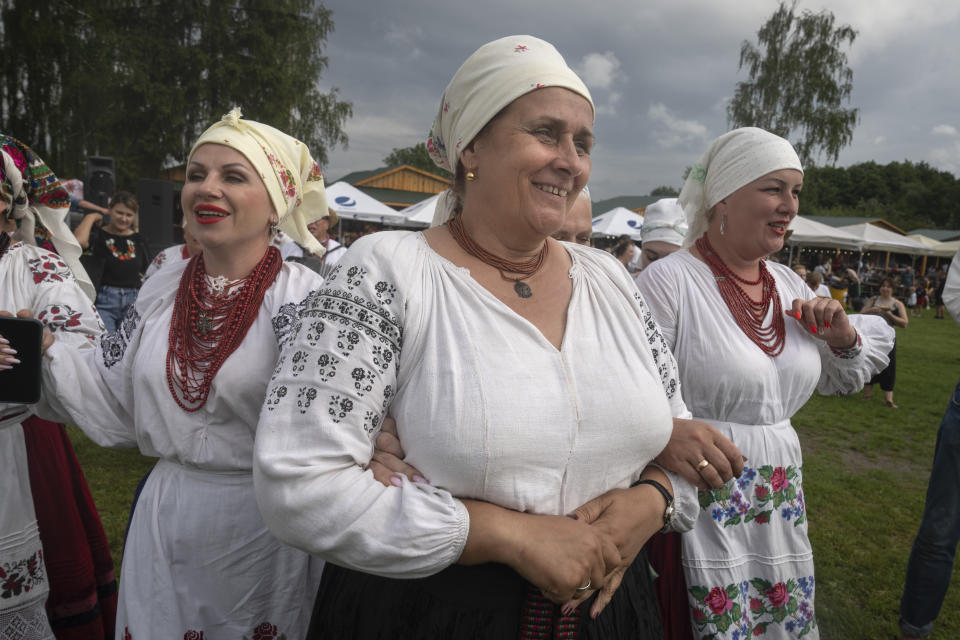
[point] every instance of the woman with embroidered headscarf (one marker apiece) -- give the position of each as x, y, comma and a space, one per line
183, 379
55, 561
752, 342
527, 378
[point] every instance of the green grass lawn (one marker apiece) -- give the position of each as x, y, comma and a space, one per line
865, 469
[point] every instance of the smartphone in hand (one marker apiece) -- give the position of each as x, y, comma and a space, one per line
21, 384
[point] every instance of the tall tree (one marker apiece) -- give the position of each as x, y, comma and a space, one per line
799, 79
665, 191
139, 80
417, 157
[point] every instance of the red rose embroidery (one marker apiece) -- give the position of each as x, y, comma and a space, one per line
758, 631
126, 634
762, 518
265, 631
755, 605
778, 594
761, 492
718, 600
193, 635
698, 615
779, 479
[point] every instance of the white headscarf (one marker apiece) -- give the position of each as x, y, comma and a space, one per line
35, 195
292, 178
495, 75
664, 221
733, 160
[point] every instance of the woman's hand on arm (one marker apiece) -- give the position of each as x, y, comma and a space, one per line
82, 231
557, 554
628, 517
826, 320
388, 457
691, 442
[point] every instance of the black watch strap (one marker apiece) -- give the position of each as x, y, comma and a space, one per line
659, 487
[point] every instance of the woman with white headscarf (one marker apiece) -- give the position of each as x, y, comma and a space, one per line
752, 343
498, 351
183, 379
664, 228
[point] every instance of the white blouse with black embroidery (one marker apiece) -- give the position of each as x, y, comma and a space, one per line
486, 407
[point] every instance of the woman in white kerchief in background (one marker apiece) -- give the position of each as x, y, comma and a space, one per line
498, 350
752, 343
664, 228
184, 377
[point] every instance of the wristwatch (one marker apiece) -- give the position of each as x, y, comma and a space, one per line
669, 511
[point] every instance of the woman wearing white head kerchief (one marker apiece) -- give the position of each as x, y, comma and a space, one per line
184, 377
664, 229
752, 343
497, 349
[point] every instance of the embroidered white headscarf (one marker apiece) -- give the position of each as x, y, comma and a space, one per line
733, 160
38, 201
495, 75
293, 179
664, 221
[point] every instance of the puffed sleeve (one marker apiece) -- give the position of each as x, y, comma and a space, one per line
330, 391
94, 388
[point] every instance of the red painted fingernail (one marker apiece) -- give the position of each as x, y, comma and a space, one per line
797, 314
813, 328
826, 324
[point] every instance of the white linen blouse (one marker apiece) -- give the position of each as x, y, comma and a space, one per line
486, 407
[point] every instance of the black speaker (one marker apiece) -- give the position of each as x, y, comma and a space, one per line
158, 214
101, 181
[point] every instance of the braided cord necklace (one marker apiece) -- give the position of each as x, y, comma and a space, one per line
525, 268
748, 313
206, 328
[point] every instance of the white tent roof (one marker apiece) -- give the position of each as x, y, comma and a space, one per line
352, 204
808, 232
937, 248
878, 239
421, 213
617, 222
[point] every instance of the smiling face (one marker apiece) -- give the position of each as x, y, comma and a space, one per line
225, 201
758, 213
531, 162
122, 218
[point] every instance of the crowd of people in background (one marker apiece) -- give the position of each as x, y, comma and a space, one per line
311, 482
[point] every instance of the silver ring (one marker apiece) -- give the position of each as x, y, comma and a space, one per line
585, 587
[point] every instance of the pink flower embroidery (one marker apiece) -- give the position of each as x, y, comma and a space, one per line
520, 48
718, 600
779, 480
778, 594
265, 631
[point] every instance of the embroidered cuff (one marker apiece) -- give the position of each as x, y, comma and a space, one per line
850, 353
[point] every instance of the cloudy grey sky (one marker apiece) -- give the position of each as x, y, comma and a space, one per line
660, 71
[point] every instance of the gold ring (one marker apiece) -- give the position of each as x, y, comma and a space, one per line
703, 464
585, 587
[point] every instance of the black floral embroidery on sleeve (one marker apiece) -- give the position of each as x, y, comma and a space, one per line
387, 396
286, 324
382, 358
327, 366
305, 396
355, 276
659, 350
362, 380
385, 292
298, 362
339, 407
274, 397
114, 345
371, 424
314, 331
347, 340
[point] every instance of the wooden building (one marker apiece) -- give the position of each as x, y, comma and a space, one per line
397, 187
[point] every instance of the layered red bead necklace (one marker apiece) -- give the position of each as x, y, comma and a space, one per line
206, 328
748, 313
525, 268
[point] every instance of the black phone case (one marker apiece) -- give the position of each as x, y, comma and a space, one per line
21, 384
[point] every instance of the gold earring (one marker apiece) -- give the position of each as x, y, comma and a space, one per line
471, 176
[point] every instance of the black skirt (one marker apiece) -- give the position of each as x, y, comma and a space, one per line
471, 602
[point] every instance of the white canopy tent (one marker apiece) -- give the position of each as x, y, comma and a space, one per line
937, 248
421, 214
808, 232
618, 221
878, 239
352, 204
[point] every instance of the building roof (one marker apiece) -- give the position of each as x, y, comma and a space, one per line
396, 198
635, 203
398, 186
846, 221
943, 235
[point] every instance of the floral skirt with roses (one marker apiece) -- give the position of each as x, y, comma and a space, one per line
748, 561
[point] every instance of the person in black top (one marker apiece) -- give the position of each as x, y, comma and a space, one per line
118, 252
